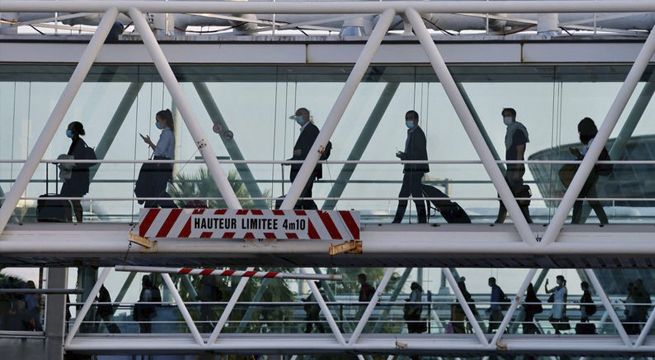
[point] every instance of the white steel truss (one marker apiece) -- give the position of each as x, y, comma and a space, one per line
412, 11
359, 343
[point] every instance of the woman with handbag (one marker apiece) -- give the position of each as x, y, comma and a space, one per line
587, 130
558, 312
158, 175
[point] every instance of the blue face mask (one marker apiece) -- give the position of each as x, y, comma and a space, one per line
69, 134
409, 124
300, 120
159, 126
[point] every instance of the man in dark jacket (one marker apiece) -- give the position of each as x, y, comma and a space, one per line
415, 149
308, 134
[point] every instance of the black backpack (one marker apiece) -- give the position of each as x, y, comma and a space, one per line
326, 152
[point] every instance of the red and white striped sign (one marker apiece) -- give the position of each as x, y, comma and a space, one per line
235, 273
249, 224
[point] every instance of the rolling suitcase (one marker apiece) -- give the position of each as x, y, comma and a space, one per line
451, 211
53, 210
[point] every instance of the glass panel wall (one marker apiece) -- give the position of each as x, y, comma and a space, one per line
118, 103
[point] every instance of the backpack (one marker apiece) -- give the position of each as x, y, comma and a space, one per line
326, 152
604, 169
89, 154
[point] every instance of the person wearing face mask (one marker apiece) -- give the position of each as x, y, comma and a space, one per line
415, 149
308, 134
587, 130
156, 182
559, 296
516, 139
77, 184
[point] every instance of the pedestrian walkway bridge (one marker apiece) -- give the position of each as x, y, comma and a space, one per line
383, 245
461, 345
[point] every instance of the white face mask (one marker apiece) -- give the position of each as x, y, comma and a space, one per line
409, 124
507, 120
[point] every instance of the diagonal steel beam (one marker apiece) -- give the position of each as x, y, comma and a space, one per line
478, 122
645, 330
394, 295
621, 141
360, 145
371, 306
228, 309
339, 108
537, 284
87, 305
612, 117
512, 308
251, 309
183, 309
57, 115
115, 123
326, 311
230, 144
346, 325
472, 130
188, 115
465, 306
608, 307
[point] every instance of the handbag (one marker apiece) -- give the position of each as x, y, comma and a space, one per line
566, 174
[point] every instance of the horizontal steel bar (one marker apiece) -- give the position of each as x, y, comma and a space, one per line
358, 162
41, 291
324, 198
477, 7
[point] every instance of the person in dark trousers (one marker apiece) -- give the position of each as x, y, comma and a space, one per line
209, 292
415, 149
366, 292
306, 139
642, 298
106, 311
587, 130
495, 311
161, 174
516, 138
412, 311
531, 308
457, 314
587, 307
78, 183
313, 312
144, 310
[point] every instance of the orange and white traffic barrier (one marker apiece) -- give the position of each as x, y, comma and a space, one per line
235, 273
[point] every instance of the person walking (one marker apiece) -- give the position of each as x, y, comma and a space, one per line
157, 176
415, 149
558, 312
313, 311
495, 311
302, 147
76, 183
587, 131
531, 308
516, 138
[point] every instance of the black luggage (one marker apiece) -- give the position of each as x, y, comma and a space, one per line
585, 328
451, 211
53, 210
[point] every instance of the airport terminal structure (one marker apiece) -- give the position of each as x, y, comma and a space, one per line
323, 179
